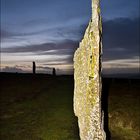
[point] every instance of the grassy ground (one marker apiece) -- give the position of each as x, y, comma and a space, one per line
37, 108
41, 108
124, 110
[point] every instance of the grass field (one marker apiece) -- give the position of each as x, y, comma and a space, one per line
41, 108
124, 110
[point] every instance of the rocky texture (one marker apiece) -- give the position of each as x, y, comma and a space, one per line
87, 92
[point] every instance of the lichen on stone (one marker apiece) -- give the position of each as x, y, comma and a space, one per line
87, 92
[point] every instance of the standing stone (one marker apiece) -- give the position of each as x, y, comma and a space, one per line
87, 92
34, 68
54, 72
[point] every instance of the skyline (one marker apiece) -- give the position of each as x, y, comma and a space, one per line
48, 32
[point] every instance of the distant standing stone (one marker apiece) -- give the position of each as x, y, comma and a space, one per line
34, 67
54, 72
87, 92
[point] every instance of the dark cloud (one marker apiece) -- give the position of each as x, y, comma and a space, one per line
5, 34
12, 69
65, 31
64, 45
72, 31
121, 38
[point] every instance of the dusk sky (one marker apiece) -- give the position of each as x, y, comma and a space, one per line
49, 31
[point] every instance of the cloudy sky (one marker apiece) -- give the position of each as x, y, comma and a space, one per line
48, 32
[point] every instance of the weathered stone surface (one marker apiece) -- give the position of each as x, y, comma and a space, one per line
87, 92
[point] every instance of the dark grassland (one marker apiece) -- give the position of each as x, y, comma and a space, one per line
40, 107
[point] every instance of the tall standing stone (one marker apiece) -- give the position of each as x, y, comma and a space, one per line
87, 92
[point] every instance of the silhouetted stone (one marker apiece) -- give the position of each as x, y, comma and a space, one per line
34, 67
54, 72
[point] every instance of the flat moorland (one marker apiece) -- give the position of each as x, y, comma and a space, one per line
40, 107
